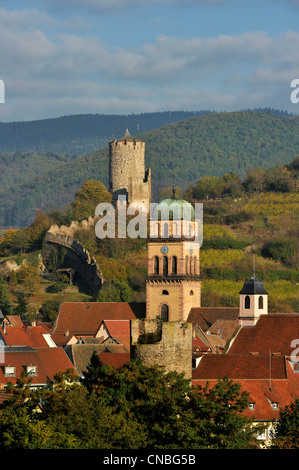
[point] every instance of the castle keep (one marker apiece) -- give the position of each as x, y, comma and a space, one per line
127, 173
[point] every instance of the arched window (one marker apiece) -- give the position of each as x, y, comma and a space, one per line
165, 230
174, 229
165, 266
164, 312
156, 265
191, 292
174, 265
247, 301
156, 229
165, 292
261, 302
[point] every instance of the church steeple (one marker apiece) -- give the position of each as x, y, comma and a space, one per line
253, 302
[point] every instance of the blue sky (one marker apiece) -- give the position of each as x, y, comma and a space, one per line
61, 57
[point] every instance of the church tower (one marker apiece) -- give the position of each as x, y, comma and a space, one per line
173, 286
127, 173
253, 302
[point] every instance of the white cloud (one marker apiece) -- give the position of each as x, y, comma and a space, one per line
52, 74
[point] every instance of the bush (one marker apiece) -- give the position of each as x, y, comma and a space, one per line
224, 243
56, 287
237, 218
279, 250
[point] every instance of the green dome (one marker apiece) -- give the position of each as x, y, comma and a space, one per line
177, 209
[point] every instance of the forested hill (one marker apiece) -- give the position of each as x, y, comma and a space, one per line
212, 144
82, 133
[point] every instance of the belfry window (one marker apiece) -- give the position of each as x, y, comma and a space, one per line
164, 313
165, 266
174, 265
247, 301
261, 302
165, 230
156, 265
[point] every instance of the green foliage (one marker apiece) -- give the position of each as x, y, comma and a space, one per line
5, 303
91, 194
279, 250
22, 306
135, 407
115, 291
224, 243
285, 433
212, 187
49, 310
173, 414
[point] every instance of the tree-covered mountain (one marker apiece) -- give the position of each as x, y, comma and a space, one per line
211, 144
82, 133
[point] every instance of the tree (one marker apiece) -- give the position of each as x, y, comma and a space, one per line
174, 414
22, 304
5, 304
20, 424
28, 275
285, 433
115, 291
279, 250
91, 194
79, 419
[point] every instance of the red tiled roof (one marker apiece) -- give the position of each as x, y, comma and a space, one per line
213, 366
205, 317
114, 359
15, 320
273, 332
199, 345
252, 373
49, 362
31, 336
84, 318
120, 330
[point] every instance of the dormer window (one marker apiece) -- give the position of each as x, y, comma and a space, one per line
31, 370
274, 406
10, 371
251, 406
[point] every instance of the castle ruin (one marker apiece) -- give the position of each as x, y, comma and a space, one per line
127, 173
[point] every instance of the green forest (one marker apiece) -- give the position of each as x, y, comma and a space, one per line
185, 151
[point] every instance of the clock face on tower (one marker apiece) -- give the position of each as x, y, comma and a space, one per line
164, 250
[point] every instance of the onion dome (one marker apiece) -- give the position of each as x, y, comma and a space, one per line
174, 209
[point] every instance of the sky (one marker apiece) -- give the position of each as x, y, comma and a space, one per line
64, 57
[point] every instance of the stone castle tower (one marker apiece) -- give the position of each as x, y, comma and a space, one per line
127, 173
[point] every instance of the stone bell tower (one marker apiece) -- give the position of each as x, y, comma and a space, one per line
173, 283
127, 173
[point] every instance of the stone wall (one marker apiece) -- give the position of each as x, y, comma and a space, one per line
87, 272
173, 350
